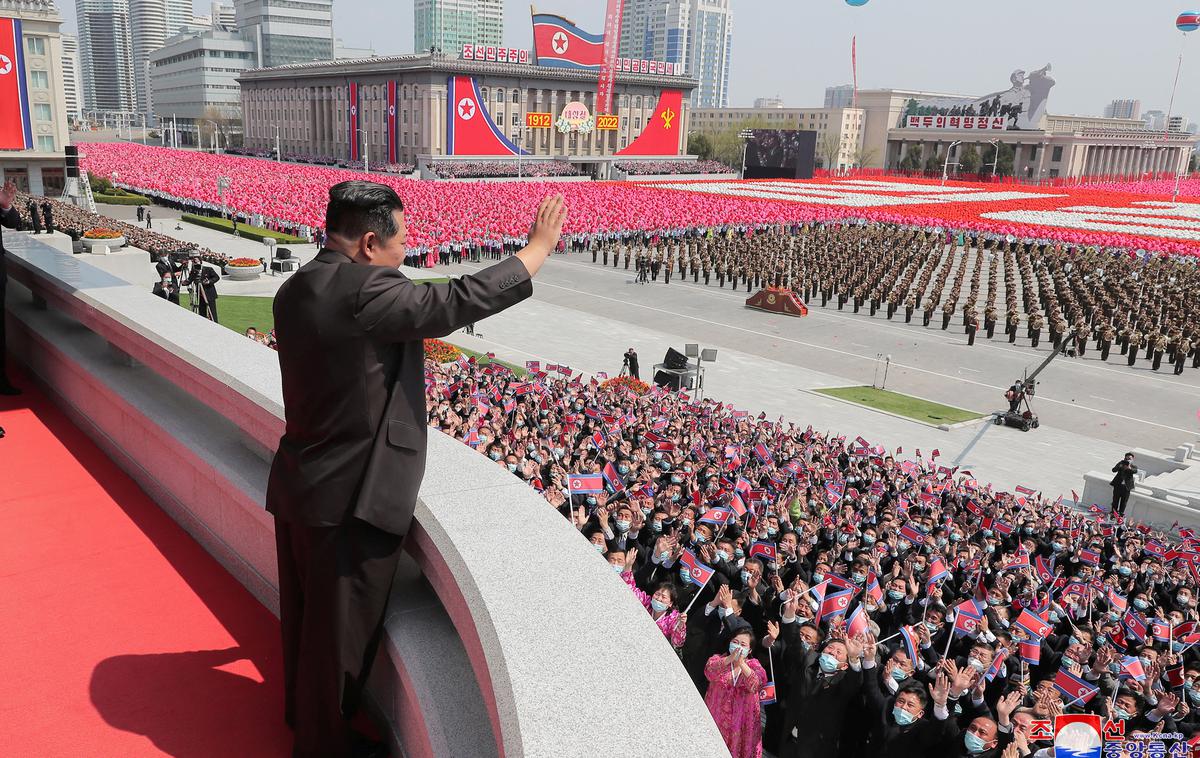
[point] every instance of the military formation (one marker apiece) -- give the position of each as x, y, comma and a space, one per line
1145, 306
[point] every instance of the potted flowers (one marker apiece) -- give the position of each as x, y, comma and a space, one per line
243, 269
441, 352
100, 240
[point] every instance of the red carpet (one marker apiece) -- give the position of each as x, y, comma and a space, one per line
119, 635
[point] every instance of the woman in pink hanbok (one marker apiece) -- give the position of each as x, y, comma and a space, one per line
734, 681
662, 609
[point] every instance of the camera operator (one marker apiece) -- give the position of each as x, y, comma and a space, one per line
630, 364
1014, 395
169, 272
1122, 484
203, 281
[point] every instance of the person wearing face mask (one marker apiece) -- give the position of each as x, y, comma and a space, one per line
734, 680
661, 606
981, 739
822, 685
898, 724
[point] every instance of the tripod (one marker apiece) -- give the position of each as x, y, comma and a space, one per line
641, 274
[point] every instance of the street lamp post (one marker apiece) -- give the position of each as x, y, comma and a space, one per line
223, 183
278, 145
995, 143
946, 163
216, 140
366, 151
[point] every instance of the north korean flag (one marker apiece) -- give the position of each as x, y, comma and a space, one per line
597, 439
997, 663
16, 132
1160, 630
1031, 652
873, 590
1131, 667
765, 550
1033, 625
1045, 571
857, 623
1090, 557
1077, 690
937, 571
717, 516
470, 129
974, 508
1135, 625
560, 44
1155, 548
613, 477
908, 636
586, 484
766, 695
912, 534
1117, 602
761, 452
835, 604
698, 573
965, 624
1002, 527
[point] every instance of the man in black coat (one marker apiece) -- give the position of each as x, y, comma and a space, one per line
822, 685
12, 219
344, 481
631, 363
35, 220
48, 216
1122, 483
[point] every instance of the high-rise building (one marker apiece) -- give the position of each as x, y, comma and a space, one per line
151, 23
106, 54
192, 95
1123, 109
841, 96
40, 168
767, 102
287, 31
72, 81
695, 33
1176, 123
1155, 119
449, 24
224, 18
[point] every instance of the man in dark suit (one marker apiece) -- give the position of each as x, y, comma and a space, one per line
1122, 483
343, 485
12, 219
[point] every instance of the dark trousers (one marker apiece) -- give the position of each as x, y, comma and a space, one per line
1120, 500
3, 340
971, 329
334, 583
1132, 355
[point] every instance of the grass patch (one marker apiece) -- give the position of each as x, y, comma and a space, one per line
122, 199
244, 230
238, 312
901, 405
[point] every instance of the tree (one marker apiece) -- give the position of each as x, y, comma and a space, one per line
700, 146
727, 145
829, 149
968, 160
912, 158
215, 119
934, 163
1005, 166
864, 155
1192, 163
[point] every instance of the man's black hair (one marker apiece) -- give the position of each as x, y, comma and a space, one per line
915, 688
358, 207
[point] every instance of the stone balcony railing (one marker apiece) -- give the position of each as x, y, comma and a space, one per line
507, 635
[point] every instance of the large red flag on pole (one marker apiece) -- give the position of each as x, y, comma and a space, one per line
854, 68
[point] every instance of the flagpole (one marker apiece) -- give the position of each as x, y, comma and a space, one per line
950, 638
771, 661
696, 596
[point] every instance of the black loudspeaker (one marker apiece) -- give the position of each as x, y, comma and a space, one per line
675, 360
72, 152
663, 379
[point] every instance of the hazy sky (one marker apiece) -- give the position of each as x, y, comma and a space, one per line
1099, 49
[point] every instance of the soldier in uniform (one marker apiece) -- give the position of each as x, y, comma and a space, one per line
1135, 341
910, 304
1106, 337
1159, 345
972, 326
1182, 349
989, 320
1035, 327
947, 314
1013, 322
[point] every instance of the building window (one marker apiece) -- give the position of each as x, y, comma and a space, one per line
516, 97
1033, 151
516, 119
499, 94
1056, 156
45, 143
39, 79
41, 111
35, 45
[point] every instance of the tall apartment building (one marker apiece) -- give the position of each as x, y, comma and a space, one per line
41, 169
841, 96
287, 31
71, 78
695, 33
195, 80
106, 54
768, 102
224, 18
1123, 109
151, 23
449, 24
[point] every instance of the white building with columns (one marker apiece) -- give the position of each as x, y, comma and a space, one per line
1062, 146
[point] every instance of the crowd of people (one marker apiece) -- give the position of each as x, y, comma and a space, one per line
402, 169
646, 168
833, 598
1086, 296
500, 169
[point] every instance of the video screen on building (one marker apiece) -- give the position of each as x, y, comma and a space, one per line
781, 153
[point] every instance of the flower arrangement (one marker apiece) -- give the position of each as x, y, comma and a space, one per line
244, 263
636, 386
101, 233
441, 352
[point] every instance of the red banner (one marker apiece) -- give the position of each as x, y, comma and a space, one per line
352, 116
15, 130
661, 134
393, 120
609, 65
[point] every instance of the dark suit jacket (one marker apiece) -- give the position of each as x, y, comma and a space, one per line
1125, 475
12, 219
352, 360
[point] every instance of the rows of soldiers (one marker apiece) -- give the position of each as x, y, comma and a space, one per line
1079, 295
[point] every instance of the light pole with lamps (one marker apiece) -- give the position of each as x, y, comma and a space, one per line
366, 151
995, 143
745, 136
278, 146
216, 140
223, 183
946, 163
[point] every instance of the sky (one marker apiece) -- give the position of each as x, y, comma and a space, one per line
1100, 50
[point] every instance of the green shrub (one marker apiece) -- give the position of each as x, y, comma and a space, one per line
244, 230
125, 199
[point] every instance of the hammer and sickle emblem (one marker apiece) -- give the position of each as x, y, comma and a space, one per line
668, 116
